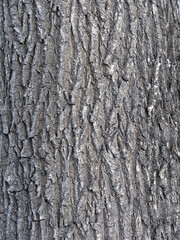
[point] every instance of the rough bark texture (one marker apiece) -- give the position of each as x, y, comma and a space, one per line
89, 120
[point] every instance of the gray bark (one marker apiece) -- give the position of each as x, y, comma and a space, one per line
89, 120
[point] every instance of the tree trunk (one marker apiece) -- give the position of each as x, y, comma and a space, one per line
89, 120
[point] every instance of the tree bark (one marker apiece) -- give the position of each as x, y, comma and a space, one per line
89, 120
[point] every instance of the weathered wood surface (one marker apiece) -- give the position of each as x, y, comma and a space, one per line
89, 119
